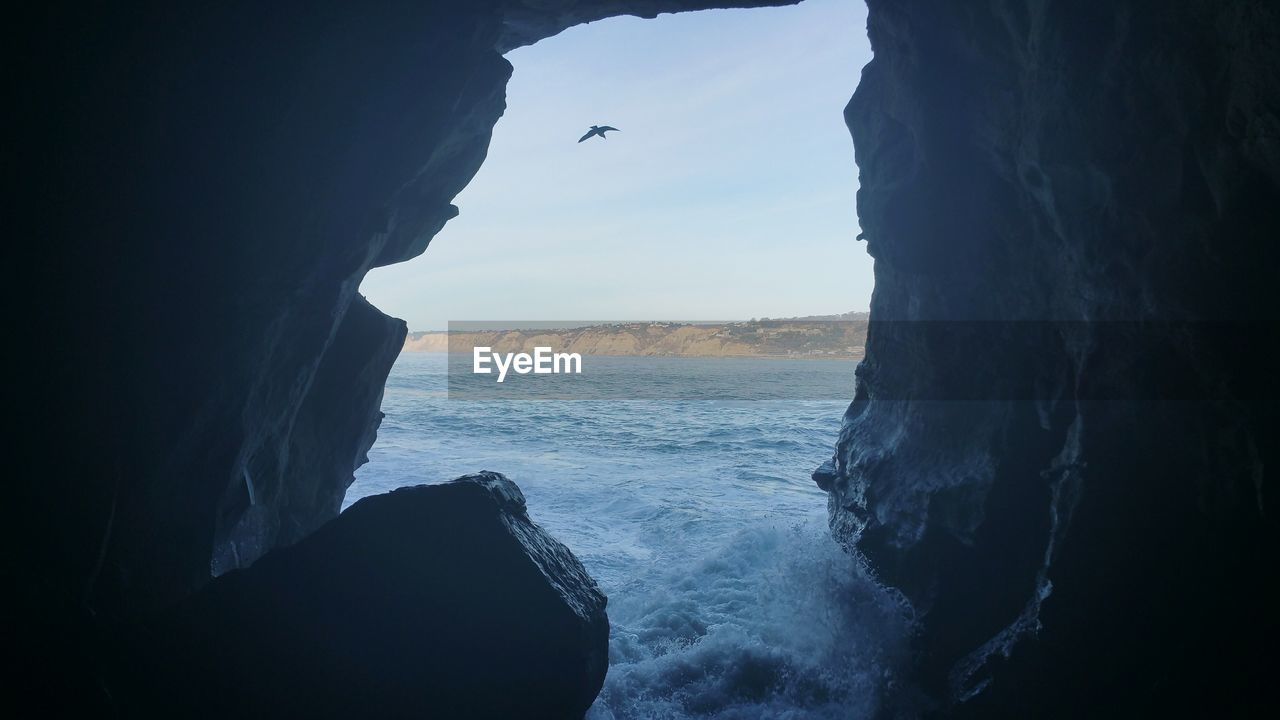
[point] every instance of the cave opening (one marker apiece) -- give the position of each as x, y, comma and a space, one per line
1077, 505
726, 194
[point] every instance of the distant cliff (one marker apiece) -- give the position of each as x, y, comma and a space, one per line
803, 338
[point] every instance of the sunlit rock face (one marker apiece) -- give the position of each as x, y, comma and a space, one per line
1074, 495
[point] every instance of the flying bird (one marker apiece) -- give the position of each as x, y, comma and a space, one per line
598, 130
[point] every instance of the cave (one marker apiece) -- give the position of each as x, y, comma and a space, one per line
1056, 450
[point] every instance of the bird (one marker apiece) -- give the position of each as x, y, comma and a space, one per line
598, 130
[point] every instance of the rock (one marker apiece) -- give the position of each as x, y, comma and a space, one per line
429, 601
205, 188
282, 499
1058, 444
525, 22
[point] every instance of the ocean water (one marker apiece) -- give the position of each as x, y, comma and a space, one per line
727, 596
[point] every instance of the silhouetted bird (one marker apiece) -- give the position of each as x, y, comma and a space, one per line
598, 130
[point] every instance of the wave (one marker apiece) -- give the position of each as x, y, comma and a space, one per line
776, 623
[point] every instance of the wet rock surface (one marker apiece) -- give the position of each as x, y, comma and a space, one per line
429, 601
1059, 443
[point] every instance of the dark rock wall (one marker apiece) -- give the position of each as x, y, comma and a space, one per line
1059, 443
283, 499
219, 180
198, 191
239, 170
525, 22
208, 185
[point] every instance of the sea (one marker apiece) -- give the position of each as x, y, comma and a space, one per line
695, 513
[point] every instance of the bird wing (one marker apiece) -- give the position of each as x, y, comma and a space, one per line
589, 134
609, 127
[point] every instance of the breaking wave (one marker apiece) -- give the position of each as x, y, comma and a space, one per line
727, 596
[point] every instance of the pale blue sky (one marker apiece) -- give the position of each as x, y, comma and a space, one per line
727, 194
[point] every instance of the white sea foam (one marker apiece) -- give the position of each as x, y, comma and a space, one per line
777, 623
727, 596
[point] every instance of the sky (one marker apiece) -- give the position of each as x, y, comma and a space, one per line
727, 194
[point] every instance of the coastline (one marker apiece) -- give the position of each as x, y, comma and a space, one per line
777, 339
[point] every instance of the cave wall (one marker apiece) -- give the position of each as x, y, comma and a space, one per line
1061, 431
221, 179
235, 171
208, 185
200, 190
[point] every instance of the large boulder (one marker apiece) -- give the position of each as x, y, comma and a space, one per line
429, 601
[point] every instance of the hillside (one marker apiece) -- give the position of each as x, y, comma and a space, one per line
803, 339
